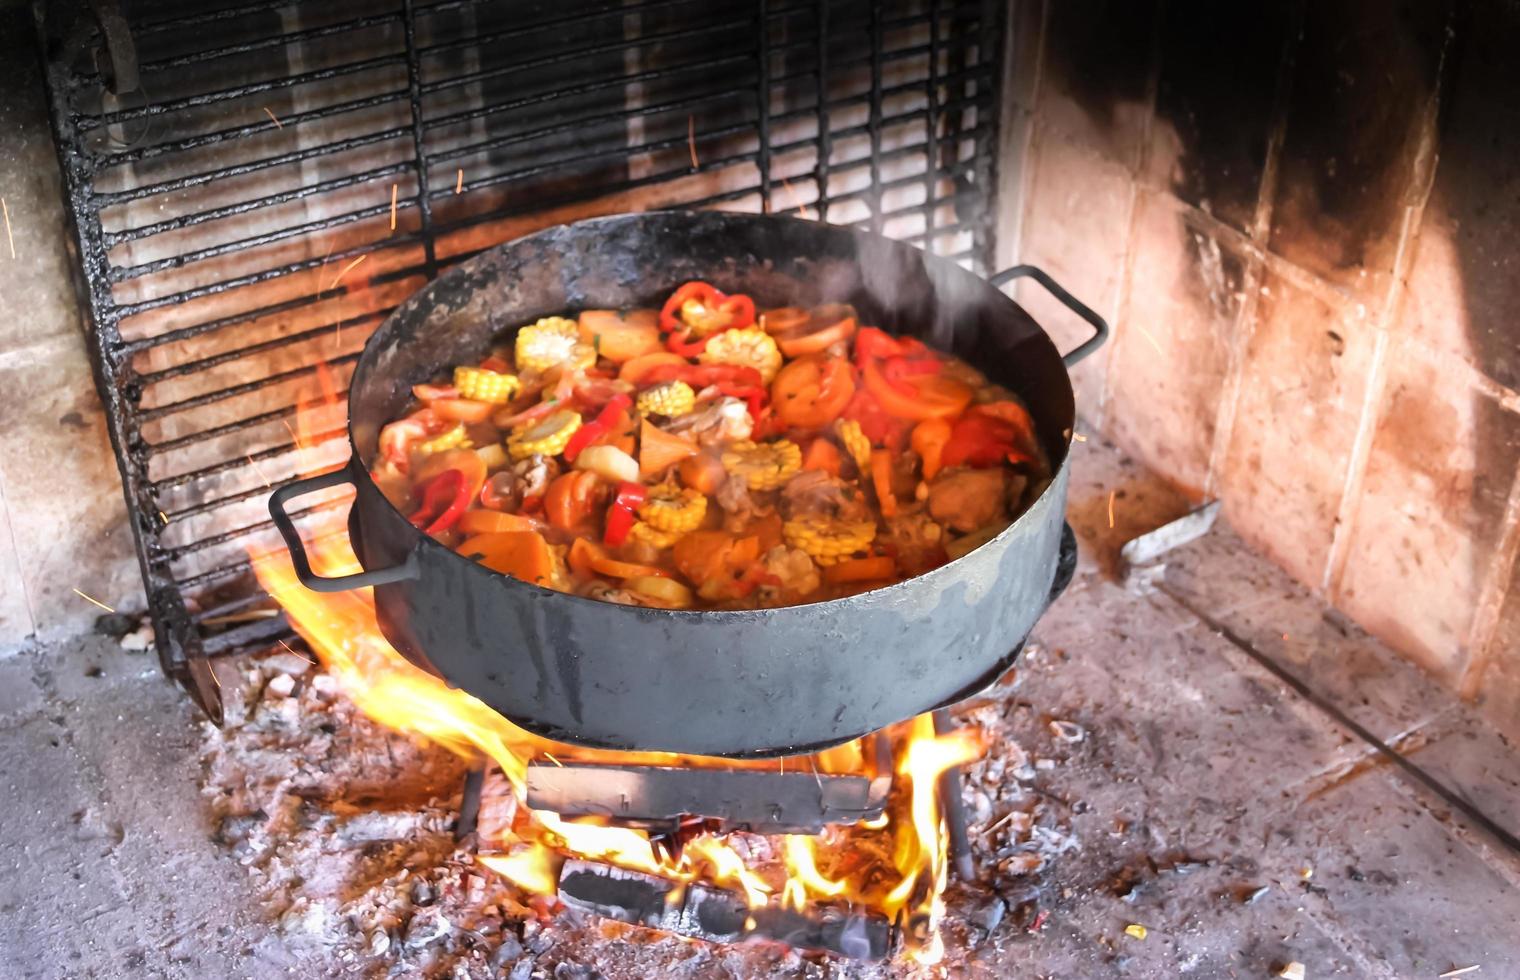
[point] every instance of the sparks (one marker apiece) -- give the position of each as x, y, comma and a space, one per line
393, 207
1079, 437
8, 239
163, 517
1111, 509
94, 600
458, 180
1147, 335
691, 141
273, 119
260, 470
346, 270
802, 211
551, 758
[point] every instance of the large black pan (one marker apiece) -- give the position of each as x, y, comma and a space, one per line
765, 681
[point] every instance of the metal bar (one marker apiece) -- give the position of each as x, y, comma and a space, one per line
259, 44
763, 102
825, 141
237, 132
201, 544
617, 82
496, 142
875, 123
225, 13
175, 643
252, 204
263, 632
222, 394
127, 273
89, 122
931, 127
107, 198
419, 160
989, 50
469, 802
523, 30
263, 275
579, 54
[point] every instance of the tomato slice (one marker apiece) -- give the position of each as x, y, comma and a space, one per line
810, 392
935, 396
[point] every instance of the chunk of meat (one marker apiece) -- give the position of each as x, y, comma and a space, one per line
966, 499
816, 493
528, 477
719, 420
795, 576
739, 507
916, 539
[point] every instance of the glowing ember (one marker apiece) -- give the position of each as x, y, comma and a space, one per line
894, 865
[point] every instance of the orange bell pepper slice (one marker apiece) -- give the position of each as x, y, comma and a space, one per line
822, 455
860, 570
881, 479
929, 440
523, 555
612, 568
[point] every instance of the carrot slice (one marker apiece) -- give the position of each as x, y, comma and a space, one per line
621, 337
881, 478
660, 450
822, 455
633, 371
495, 522
613, 568
569, 500
521, 554
860, 570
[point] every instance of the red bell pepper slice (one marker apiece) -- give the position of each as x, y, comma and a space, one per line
622, 511
497, 364
597, 427
979, 441
444, 501
738, 309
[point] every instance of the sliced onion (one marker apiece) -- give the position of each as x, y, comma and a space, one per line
665, 590
608, 462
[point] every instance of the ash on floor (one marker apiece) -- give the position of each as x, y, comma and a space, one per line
1155, 802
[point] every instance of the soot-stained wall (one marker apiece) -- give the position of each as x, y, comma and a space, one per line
1303, 219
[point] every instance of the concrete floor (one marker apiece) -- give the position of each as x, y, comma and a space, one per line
1203, 778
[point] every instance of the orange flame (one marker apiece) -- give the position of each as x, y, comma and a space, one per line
908, 843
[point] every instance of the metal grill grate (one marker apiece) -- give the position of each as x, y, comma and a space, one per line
231, 173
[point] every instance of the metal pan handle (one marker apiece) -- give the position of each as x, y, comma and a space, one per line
287, 528
1099, 325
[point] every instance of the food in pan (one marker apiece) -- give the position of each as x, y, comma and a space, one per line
709, 455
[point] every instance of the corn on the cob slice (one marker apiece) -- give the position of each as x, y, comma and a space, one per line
651, 535
747, 347
547, 436
668, 507
551, 342
481, 385
763, 465
855, 442
828, 541
669, 398
452, 439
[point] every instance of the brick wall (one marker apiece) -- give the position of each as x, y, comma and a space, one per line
1302, 218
